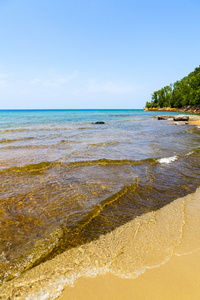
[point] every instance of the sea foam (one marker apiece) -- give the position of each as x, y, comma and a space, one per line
167, 160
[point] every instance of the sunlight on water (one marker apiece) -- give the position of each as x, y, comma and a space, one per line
145, 242
65, 181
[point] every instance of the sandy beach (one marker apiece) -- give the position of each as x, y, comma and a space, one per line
194, 120
177, 279
99, 150
153, 255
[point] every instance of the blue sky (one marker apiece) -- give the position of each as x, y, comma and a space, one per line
94, 53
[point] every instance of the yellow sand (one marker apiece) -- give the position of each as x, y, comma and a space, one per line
178, 279
194, 120
149, 251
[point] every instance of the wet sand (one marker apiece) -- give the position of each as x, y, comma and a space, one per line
194, 120
147, 258
178, 279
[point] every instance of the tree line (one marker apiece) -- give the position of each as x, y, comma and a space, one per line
181, 93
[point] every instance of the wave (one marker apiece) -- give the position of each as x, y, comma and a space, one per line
154, 186
31, 168
15, 130
168, 160
42, 166
146, 242
16, 140
103, 144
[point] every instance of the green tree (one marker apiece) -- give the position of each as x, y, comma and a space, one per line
181, 93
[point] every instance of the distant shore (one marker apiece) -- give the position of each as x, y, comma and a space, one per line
193, 119
184, 109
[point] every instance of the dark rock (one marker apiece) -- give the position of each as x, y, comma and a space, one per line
181, 118
164, 117
99, 122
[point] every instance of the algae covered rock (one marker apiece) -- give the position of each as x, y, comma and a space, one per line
181, 118
164, 117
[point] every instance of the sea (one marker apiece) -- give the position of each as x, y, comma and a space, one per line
80, 199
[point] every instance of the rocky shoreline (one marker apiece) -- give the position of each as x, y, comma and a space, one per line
182, 119
185, 109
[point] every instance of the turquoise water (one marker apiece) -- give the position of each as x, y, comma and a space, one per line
65, 181
12, 118
70, 135
20, 118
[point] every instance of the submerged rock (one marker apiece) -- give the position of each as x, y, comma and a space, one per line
99, 122
164, 117
181, 118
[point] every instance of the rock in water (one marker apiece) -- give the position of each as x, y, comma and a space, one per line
164, 117
181, 118
99, 122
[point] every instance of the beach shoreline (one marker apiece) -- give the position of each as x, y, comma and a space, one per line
155, 256
142, 244
184, 109
193, 119
177, 279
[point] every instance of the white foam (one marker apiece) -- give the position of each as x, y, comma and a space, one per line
54, 288
191, 152
167, 160
47, 293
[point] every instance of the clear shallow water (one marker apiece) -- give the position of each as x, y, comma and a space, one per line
37, 136
65, 181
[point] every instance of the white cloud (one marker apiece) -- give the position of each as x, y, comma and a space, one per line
111, 87
52, 81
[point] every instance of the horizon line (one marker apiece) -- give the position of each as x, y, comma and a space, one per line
6, 109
